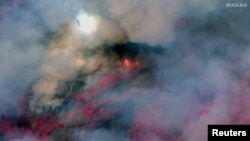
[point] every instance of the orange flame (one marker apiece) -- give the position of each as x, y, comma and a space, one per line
128, 63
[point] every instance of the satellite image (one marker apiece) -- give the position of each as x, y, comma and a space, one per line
123, 70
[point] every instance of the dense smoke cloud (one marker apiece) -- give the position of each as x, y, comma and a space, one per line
193, 57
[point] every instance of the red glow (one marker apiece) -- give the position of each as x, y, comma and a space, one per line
128, 63
87, 112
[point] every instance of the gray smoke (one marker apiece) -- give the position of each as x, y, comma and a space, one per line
200, 78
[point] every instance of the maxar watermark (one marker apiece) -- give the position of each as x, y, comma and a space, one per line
236, 5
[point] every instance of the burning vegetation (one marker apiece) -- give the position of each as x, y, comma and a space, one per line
126, 70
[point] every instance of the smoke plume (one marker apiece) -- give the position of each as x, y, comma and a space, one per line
150, 70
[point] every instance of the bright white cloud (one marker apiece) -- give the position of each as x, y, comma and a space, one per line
86, 23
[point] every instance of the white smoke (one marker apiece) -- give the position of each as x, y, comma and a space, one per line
204, 71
